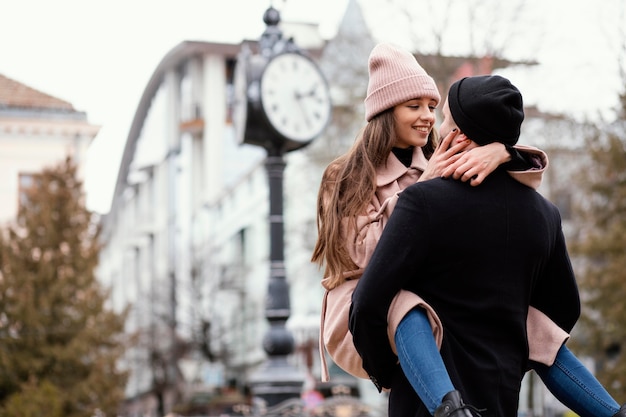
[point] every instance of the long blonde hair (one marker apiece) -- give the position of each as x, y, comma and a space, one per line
348, 185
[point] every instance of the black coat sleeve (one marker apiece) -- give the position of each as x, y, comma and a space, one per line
394, 261
520, 161
556, 292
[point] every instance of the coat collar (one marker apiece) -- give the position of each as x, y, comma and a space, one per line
394, 169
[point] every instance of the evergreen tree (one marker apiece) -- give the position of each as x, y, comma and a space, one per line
59, 343
600, 253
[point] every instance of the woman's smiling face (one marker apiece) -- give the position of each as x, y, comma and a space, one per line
414, 119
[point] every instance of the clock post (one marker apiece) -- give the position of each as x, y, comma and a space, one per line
282, 104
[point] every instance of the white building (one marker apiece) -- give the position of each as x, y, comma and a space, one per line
37, 131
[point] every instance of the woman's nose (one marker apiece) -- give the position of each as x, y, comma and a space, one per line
427, 115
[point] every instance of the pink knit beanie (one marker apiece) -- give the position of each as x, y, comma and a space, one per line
395, 77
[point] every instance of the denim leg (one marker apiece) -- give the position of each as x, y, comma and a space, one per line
574, 386
420, 359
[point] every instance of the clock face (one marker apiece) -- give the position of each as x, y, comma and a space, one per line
295, 97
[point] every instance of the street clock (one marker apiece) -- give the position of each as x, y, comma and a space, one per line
283, 101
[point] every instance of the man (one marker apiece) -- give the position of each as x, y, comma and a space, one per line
479, 256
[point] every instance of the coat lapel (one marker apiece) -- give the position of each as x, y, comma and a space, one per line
394, 169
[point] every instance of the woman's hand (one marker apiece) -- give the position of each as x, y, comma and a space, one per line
444, 157
477, 163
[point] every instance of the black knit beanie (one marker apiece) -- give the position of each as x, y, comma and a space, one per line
487, 108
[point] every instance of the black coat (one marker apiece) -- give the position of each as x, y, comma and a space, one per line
480, 256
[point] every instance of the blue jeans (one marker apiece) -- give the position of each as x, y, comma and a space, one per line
573, 385
420, 359
567, 379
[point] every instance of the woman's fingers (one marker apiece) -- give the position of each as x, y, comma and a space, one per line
473, 166
444, 145
458, 147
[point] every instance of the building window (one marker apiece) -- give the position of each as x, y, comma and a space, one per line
241, 238
26, 183
230, 90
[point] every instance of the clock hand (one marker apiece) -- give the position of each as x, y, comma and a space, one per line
310, 93
303, 110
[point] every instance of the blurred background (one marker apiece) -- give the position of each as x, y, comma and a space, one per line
140, 95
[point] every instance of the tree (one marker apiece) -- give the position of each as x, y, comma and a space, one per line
457, 36
59, 343
599, 248
600, 241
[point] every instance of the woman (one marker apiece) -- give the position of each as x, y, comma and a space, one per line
398, 147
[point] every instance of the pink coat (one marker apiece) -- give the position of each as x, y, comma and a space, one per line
544, 336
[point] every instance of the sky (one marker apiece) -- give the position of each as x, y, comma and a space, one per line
100, 54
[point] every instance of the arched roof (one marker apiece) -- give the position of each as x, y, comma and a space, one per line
173, 59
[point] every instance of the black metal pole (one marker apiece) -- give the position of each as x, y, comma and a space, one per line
278, 380
277, 307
